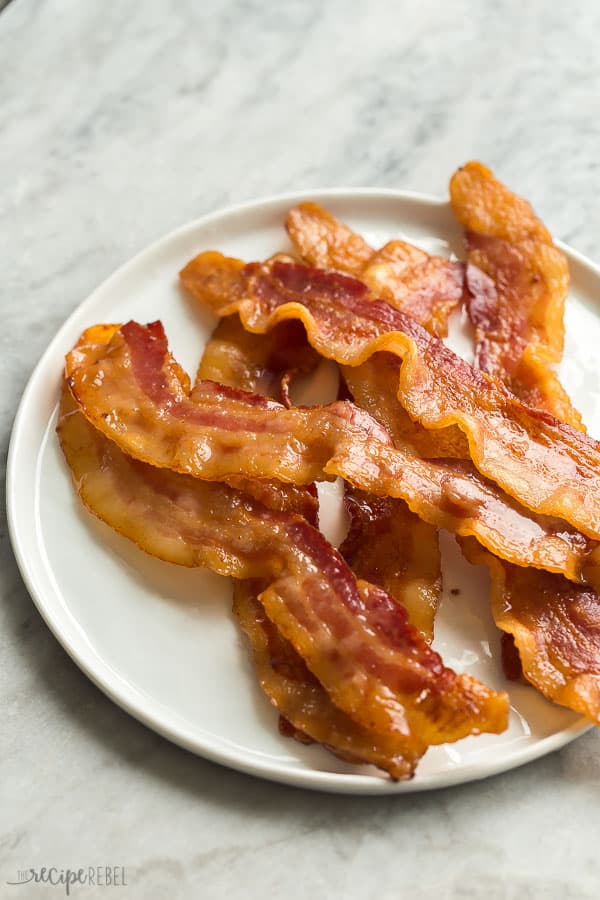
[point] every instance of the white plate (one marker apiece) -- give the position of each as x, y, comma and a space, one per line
160, 640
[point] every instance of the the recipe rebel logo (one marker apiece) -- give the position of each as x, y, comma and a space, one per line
85, 876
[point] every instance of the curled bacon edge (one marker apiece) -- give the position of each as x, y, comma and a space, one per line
440, 705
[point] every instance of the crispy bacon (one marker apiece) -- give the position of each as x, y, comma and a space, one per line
517, 282
90, 347
174, 517
274, 494
371, 661
354, 638
324, 241
265, 364
410, 566
134, 395
382, 546
294, 691
427, 287
551, 628
405, 561
164, 514
391, 547
388, 544
373, 385
261, 364
547, 465
556, 628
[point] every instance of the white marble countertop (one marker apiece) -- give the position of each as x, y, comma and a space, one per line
120, 121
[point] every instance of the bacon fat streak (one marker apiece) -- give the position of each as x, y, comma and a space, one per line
546, 465
354, 638
135, 394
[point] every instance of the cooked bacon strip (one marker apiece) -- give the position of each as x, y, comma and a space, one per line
134, 395
373, 385
185, 521
174, 517
261, 364
548, 466
381, 546
391, 547
387, 543
294, 691
366, 648
219, 280
408, 569
91, 346
517, 283
427, 287
355, 639
163, 514
517, 308
265, 364
137, 385
324, 241
556, 628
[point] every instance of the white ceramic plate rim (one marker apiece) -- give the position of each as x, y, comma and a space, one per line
134, 701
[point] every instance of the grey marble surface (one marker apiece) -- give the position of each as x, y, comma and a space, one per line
118, 121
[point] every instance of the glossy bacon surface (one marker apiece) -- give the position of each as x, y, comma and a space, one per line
517, 310
258, 363
262, 364
517, 282
373, 385
556, 629
165, 514
173, 517
136, 386
219, 433
274, 494
388, 543
389, 546
355, 639
409, 569
324, 241
548, 466
373, 664
297, 694
265, 364
427, 287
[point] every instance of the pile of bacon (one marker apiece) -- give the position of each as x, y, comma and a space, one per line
222, 473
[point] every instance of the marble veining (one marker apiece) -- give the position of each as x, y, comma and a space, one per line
119, 122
